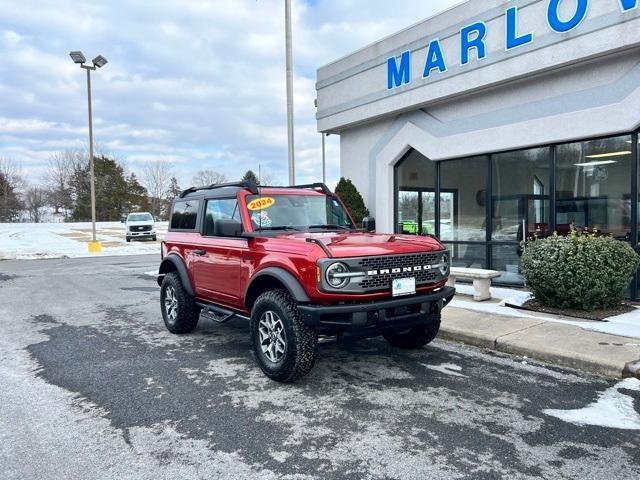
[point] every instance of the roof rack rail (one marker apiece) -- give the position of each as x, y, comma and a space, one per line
312, 186
251, 186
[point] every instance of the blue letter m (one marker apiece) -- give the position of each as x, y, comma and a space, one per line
398, 75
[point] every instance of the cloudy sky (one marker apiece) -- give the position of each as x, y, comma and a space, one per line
199, 83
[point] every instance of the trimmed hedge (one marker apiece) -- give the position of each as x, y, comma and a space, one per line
582, 271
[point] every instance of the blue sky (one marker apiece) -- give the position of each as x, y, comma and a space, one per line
197, 83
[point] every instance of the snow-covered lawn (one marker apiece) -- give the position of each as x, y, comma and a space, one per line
54, 240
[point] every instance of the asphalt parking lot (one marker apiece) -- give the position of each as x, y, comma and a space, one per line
93, 386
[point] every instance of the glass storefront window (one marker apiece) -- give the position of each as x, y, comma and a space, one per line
594, 187
463, 199
521, 191
416, 195
468, 255
593, 190
506, 259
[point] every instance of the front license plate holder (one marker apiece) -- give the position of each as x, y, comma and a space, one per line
401, 287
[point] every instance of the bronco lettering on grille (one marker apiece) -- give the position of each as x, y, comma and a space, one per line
419, 268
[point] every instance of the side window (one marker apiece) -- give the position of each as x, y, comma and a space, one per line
184, 215
221, 209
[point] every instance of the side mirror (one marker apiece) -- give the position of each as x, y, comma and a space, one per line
227, 228
369, 224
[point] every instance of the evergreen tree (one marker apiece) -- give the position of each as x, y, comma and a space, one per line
112, 199
172, 193
137, 196
10, 204
352, 199
251, 177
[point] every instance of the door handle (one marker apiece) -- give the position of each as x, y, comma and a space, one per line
200, 253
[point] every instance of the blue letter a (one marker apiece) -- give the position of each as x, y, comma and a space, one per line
398, 75
626, 5
435, 59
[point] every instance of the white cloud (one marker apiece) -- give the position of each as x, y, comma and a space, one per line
201, 84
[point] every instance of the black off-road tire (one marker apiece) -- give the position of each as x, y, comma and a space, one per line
301, 341
187, 313
155, 238
128, 240
415, 337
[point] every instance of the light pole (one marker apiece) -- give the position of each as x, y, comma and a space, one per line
324, 159
292, 164
98, 62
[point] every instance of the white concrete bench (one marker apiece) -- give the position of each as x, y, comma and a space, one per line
481, 280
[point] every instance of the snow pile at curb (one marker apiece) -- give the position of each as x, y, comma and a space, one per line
625, 325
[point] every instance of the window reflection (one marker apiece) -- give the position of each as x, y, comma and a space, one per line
593, 187
463, 199
468, 255
416, 195
506, 259
521, 190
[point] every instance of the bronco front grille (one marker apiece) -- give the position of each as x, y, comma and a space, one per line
383, 280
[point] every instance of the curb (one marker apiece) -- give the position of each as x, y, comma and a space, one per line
631, 369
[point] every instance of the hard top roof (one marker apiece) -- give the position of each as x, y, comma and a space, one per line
231, 189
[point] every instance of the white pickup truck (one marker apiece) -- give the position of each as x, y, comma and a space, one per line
140, 225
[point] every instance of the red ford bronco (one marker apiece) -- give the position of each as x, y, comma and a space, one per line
291, 261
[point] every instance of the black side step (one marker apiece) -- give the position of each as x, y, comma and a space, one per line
219, 314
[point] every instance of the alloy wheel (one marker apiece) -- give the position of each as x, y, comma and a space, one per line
272, 336
171, 304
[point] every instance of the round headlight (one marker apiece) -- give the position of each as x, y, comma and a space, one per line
444, 265
334, 274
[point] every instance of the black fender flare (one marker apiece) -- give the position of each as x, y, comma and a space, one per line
290, 282
180, 267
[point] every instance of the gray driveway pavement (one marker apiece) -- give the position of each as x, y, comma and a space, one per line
93, 386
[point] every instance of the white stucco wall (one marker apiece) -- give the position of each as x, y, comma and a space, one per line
582, 84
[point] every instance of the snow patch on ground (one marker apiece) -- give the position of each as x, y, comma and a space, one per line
613, 409
25, 241
626, 325
447, 369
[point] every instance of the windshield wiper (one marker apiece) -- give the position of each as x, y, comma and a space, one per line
329, 227
271, 229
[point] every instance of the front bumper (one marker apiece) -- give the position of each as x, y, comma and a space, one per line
376, 318
141, 234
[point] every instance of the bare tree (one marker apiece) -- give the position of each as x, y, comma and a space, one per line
35, 200
156, 178
10, 182
204, 178
60, 169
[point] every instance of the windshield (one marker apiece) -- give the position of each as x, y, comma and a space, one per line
140, 217
299, 212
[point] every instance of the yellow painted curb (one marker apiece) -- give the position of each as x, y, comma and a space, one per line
94, 247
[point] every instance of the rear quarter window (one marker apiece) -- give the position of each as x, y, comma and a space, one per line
184, 215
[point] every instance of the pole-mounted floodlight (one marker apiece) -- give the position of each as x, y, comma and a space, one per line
98, 62
77, 57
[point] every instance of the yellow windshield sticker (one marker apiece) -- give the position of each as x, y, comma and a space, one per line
261, 203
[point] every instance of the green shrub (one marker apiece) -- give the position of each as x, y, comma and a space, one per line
350, 196
581, 271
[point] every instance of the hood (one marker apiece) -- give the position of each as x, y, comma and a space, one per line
356, 244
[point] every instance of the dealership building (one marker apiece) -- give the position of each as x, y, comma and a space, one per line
495, 121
